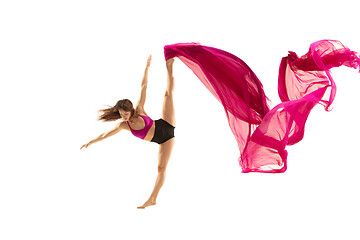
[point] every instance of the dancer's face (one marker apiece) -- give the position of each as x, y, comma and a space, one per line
125, 115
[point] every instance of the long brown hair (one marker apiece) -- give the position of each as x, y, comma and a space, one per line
112, 113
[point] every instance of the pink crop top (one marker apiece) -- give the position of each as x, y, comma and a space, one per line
142, 132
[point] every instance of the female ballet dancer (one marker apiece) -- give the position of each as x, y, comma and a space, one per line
142, 126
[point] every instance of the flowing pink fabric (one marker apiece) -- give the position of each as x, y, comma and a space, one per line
263, 134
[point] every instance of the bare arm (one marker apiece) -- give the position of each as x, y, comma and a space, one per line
112, 132
141, 102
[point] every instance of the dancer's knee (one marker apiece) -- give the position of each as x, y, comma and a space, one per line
169, 93
161, 168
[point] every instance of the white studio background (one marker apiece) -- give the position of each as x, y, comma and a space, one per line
61, 61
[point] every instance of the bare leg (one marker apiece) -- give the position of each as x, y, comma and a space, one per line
168, 112
165, 148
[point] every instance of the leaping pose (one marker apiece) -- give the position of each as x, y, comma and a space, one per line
142, 126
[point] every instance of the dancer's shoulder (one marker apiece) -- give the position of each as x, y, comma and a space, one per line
122, 125
140, 110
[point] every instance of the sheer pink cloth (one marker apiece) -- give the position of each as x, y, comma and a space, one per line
263, 134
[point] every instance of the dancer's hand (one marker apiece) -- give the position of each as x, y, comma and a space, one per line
86, 145
148, 61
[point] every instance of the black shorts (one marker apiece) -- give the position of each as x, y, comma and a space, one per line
163, 131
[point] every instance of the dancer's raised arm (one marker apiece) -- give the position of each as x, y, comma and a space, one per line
140, 104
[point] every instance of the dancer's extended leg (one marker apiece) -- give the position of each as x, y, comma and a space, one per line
165, 148
168, 112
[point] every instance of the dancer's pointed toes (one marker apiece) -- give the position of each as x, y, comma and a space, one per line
147, 204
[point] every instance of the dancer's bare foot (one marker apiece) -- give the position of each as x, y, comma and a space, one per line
147, 204
169, 62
